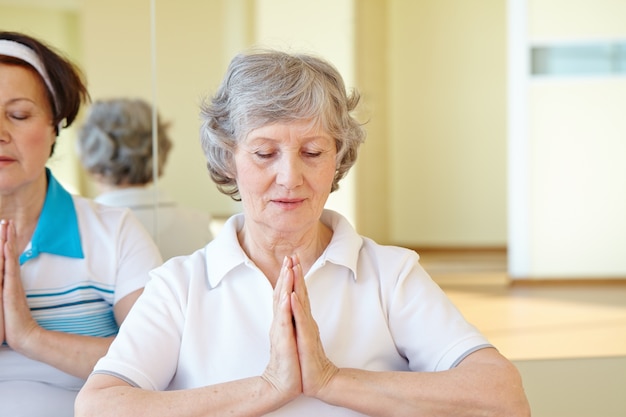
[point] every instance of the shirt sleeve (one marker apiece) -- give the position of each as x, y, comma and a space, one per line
146, 350
427, 327
137, 255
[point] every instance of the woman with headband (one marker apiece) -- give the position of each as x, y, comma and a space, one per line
70, 269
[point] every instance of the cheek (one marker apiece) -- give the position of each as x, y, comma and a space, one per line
38, 141
250, 179
326, 175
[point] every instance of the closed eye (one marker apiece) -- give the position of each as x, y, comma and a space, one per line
312, 154
19, 116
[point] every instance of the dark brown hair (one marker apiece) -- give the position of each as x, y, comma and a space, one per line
70, 90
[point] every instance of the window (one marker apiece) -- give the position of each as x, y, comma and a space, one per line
602, 58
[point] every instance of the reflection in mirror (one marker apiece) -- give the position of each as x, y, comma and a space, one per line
124, 146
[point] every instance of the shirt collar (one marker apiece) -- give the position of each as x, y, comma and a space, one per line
225, 254
57, 229
346, 243
141, 197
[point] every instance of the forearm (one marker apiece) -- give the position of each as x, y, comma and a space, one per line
107, 396
70, 353
2, 335
492, 390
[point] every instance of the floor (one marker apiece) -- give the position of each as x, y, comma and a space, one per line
532, 321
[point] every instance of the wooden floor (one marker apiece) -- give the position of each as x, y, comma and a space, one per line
532, 321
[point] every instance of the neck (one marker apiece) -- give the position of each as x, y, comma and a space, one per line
267, 251
23, 206
104, 187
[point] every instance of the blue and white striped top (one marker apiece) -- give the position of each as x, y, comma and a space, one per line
83, 257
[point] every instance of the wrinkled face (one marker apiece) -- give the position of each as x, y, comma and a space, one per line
26, 131
284, 172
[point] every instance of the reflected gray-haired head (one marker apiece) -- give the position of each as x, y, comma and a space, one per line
115, 142
263, 87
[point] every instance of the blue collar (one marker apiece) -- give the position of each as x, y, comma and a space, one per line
57, 230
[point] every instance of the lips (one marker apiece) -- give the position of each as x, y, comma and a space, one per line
288, 200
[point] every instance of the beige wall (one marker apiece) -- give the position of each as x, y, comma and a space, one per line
373, 209
576, 20
582, 387
431, 172
447, 131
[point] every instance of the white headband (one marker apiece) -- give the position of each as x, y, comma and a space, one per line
23, 52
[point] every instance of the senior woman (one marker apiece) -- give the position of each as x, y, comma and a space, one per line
69, 269
288, 311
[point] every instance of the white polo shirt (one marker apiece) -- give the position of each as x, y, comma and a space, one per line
82, 259
177, 230
205, 319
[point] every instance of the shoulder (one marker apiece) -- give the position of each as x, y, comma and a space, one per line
388, 259
95, 214
90, 207
181, 275
395, 252
116, 227
184, 267
366, 257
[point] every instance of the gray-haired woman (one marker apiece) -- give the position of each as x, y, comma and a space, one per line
289, 312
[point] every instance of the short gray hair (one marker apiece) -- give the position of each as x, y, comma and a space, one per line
262, 87
115, 142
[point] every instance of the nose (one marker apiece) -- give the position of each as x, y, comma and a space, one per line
289, 171
4, 132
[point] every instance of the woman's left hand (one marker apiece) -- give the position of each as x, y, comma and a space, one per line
316, 369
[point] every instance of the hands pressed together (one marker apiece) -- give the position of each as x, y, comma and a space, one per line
298, 363
17, 325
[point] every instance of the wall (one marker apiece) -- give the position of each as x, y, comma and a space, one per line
447, 130
432, 169
583, 387
373, 209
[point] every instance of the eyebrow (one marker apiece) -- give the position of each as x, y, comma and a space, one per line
250, 139
16, 99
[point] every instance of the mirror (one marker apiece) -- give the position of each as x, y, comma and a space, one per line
140, 49
114, 43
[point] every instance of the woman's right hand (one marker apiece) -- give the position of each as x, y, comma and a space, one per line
283, 369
